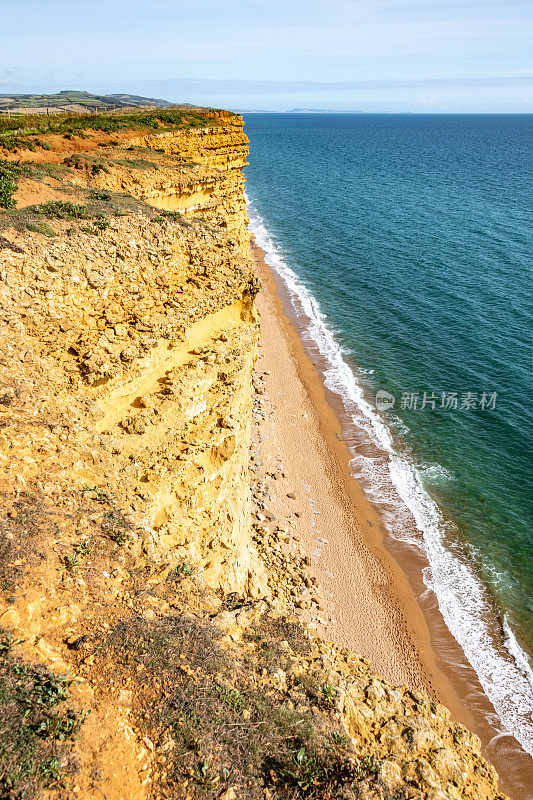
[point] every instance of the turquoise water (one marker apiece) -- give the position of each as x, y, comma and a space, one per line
403, 242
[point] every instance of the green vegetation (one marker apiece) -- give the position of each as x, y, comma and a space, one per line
117, 527
21, 132
35, 722
175, 216
324, 773
19, 547
72, 97
180, 571
329, 693
70, 562
41, 227
13, 143
66, 210
63, 210
136, 163
220, 722
9, 174
8, 187
14, 127
232, 698
99, 194
83, 548
98, 209
102, 495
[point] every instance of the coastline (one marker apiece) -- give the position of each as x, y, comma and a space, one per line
376, 601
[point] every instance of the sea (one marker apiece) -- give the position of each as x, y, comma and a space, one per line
403, 245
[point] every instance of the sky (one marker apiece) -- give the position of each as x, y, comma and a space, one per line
365, 55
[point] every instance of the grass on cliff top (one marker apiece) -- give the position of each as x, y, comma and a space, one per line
36, 723
14, 127
217, 722
38, 218
90, 217
102, 204
12, 171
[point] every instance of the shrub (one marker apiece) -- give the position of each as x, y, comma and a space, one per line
63, 210
117, 527
41, 227
8, 187
99, 194
180, 571
12, 143
231, 697
329, 693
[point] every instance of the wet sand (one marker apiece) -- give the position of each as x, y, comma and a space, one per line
375, 601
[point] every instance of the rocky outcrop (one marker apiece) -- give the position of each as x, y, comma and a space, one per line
155, 324
128, 555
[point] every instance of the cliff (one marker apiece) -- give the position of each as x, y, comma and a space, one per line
150, 650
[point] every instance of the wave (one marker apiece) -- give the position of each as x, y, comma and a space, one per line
516, 651
391, 479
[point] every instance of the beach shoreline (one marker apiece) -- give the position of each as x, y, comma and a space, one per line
375, 600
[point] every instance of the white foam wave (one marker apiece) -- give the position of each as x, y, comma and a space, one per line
391, 479
516, 651
436, 473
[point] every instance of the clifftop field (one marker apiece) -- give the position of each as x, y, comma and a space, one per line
75, 101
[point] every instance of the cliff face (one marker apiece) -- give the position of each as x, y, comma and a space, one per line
200, 174
128, 559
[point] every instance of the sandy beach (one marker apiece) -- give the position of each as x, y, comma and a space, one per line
371, 604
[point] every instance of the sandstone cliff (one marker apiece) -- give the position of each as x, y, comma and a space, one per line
128, 558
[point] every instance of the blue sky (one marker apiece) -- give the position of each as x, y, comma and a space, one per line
372, 55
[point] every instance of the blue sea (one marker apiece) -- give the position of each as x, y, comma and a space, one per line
402, 241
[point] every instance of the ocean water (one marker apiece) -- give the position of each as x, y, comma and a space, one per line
402, 241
